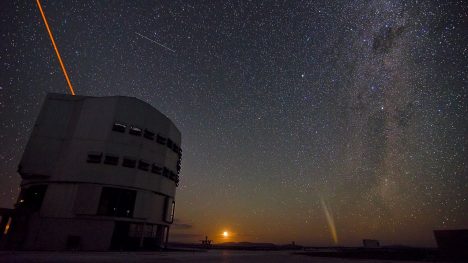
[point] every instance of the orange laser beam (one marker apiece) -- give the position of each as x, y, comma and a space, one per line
55, 47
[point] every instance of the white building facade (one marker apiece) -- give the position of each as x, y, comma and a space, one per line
99, 173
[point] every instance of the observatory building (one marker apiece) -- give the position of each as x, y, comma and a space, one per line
98, 173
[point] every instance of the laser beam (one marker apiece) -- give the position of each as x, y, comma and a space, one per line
55, 47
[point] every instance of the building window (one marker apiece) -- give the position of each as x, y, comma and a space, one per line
135, 131
137, 230
156, 169
165, 172
175, 148
172, 210
148, 135
128, 162
119, 127
169, 143
179, 165
143, 165
172, 175
94, 157
111, 159
169, 210
117, 202
160, 139
31, 198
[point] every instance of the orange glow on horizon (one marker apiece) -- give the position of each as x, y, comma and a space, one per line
55, 47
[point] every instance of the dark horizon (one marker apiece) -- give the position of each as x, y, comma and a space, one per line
322, 123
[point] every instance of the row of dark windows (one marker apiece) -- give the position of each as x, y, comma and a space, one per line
129, 162
120, 202
150, 135
113, 201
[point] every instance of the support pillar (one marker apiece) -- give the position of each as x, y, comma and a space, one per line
167, 237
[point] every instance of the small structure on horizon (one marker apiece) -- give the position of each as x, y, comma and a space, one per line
98, 173
370, 243
206, 243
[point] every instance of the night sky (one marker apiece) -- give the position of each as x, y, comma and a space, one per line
299, 119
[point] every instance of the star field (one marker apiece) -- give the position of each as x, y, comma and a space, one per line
281, 104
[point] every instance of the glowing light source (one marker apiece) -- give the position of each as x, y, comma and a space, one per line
7, 227
55, 47
225, 234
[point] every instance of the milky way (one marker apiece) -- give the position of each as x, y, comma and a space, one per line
283, 107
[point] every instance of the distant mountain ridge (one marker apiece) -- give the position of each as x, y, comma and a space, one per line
247, 244
240, 246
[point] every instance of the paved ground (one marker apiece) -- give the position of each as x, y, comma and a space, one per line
224, 256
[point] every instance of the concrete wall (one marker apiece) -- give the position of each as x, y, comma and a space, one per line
52, 233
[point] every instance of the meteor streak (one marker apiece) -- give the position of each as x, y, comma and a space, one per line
55, 47
154, 41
